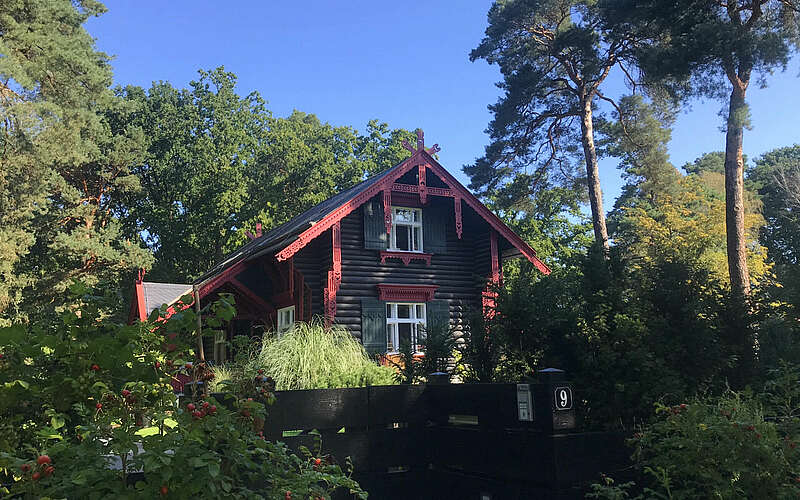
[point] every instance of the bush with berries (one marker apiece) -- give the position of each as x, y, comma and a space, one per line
721, 447
87, 410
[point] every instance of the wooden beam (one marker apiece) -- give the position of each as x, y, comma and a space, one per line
423, 188
459, 222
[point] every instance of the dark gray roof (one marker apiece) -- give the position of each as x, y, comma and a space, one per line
156, 294
280, 237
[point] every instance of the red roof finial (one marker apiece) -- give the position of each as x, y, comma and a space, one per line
141, 274
421, 144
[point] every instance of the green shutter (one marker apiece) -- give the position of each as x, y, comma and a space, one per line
434, 230
375, 237
438, 313
373, 325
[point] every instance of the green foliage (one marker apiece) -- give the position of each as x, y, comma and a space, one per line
439, 344
65, 153
217, 163
90, 393
713, 448
311, 356
478, 353
554, 57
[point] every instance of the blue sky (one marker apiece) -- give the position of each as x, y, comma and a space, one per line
405, 63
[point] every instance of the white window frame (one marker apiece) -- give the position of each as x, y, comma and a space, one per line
417, 325
412, 225
285, 319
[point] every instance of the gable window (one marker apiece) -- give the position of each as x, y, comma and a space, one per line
405, 322
285, 319
406, 229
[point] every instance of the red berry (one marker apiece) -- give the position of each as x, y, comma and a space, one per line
190, 407
288, 495
98, 406
213, 409
317, 462
95, 368
1, 356
36, 476
125, 392
758, 435
683, 406
197, 414
164, 490
48, 471
158, 364
25, 467
249, 399
206, 404
188, 366
43, 459
750, 428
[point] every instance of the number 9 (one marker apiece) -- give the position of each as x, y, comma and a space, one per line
562, 395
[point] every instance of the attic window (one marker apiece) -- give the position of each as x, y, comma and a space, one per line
406, 233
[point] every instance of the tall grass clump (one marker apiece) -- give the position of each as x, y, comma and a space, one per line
311, 356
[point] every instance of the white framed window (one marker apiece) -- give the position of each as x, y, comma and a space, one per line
406, 229
285, 319
405, 321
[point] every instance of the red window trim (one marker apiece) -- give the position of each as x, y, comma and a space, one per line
406, 257
406, 293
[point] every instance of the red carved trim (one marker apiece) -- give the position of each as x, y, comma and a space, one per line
459, 222
405, 188
334, 275
423, 187
487, 214
387, 210
406, 257
410, 188
441, 192
137, 305
388, 183
406, 293
210, 285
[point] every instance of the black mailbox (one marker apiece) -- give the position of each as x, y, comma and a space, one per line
553, 400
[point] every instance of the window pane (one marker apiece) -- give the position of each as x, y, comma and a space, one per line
389, 311
404, 332
403, 311
420, 311
403, 215
390, 347
415, 239
402, 237
417, 215
420, 334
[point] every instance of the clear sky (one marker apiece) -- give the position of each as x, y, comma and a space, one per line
405, 63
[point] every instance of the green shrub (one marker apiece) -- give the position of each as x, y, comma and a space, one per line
713, 448
76, 394
311, 356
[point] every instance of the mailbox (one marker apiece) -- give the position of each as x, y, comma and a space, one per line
553, 401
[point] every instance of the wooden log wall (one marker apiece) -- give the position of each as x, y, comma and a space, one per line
453, 271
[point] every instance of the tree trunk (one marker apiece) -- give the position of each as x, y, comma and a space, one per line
734, 194
593, 176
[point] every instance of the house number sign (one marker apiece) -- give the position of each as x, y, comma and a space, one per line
563, 398
524, 403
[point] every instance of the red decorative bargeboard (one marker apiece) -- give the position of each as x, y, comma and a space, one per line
406, 257
406, 293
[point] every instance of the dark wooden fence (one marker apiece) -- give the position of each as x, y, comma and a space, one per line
449, 441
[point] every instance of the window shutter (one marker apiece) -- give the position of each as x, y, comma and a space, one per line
438, 313
373, 325
375, 237
434, 230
